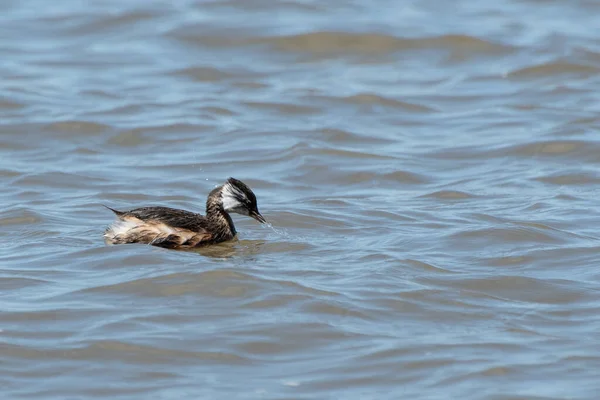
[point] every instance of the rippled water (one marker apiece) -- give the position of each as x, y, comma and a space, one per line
431, 171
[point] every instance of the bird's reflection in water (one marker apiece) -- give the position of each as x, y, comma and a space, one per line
230, 249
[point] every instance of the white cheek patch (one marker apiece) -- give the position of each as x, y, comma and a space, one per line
229, 198
230, 203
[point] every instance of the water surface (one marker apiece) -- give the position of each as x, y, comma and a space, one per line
430, 171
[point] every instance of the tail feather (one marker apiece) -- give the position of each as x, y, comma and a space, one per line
117, 212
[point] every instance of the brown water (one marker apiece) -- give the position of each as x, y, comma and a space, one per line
431, 171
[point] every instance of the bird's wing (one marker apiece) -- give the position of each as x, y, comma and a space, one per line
159, 226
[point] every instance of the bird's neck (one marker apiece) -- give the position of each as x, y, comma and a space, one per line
219, 220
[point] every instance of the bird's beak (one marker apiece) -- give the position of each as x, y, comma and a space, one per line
256, 215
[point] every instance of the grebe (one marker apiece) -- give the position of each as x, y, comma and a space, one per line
180, 229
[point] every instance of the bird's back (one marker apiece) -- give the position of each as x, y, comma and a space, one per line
170, 216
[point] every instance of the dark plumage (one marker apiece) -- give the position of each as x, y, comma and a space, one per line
172, 228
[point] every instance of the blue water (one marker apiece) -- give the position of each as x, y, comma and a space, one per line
429, 172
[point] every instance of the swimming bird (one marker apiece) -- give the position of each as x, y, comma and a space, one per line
180, 229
